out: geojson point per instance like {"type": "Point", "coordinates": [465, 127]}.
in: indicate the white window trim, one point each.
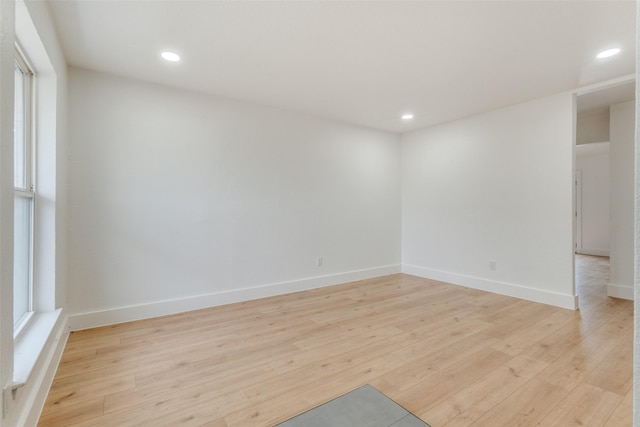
{"type": "Point", "coordinates": [29, 344]}
{"type": "Point", "coordinates": [34, 336]}
{"type": "Point", "coordinates": [30, 149]}
{"type": "Point", "coordinates": [28, 191]}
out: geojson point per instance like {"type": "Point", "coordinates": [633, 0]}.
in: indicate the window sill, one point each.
{"type": "Point", "coordinates": [30, 343]}
{"type": "Point", "coordinates": [22, 325]}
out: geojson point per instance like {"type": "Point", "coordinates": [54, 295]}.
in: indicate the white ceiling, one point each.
{"type": "Point", "coordinates": [603, 98]}
{"type": "Point", "coordinates": [356, 61]}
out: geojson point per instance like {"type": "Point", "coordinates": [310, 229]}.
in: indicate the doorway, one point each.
{"type": "Point", "coordinates": [604, 174]}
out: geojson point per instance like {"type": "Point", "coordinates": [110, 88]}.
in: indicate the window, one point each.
{"type": "Point", "coordinates": [24, 194]}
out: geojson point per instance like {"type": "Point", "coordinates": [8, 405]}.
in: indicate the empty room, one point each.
{"type": "Point", "coordinates": [317, 213]}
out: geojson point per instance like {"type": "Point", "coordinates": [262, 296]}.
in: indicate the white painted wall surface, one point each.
{"type": "Point", "coordinates": [179, 200]}
{"type": "Point", "coordinates": [592, 162]}
{"type": "Point", "coordinates": [622, 200]}
{"type": "Point", "coordinates": [592, 126]}
{"type": "Point", "coordinates": [494, 187]}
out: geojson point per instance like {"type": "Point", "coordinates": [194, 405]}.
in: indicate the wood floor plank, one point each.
{"type": "Point", "coordinates": [72, 414]}
{"type": "Point", "coordinates": [88, 374]}
{"type": "Point", "coordinates": [444, 383]}
{"type": "Point", "coordinates": [530, 335]}
{"type": "Point", "coordinates": [181, 408]}
{"type": "Point", "coordinates": [615, 372]}
{"type": "Point", "coordinates": [554, 345]}
{"type": "Point", "coordinates": [156, 393]}
{"type": "Point", "coordinates": [525, 407]}
{"type": "Point", "coordinates": [585, 406]}
{"type": "Point", "coordinates": [83, 340]}
{"type": "Point", "coordinates": [418, 367]}
{"type": "Point", "coordinates": [575, 365]}
{"type": "Point", "coordinates": [470, 403]}
{"type": "Point", "coordinates": [455, 356]}
{"type": "Point", "coordinates": [82, 391]}
{"type": "Point", "coordinates": [623, 414]}
{"type": "Point", "coordinates": [313, 372]}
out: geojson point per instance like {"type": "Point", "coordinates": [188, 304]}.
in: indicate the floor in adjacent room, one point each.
{"type": "Point", "coordinates": [450, 355]}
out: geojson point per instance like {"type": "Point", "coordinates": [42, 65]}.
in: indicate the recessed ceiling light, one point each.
{"type": "Point", "coordinates": [407, 116]}
{"type": "Point", "coordinates": [609, 52]}
{"type": "Point", "coordinates": [170, 56]}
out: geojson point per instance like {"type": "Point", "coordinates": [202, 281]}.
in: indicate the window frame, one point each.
{"type": "Point", "coordinates": [27, 191]}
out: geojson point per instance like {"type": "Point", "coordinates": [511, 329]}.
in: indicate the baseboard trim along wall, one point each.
{"type": "Point", "coordinates": [618, 291]}
{"type": "Point", "coordinates": [502, 288]}
{"type": "Point", "coordinates": [78, 321]}
{"type": "Point", "coordinates": [594, 252]}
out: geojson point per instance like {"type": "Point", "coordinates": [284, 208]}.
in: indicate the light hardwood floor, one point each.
{"type": "Point", "coordinates": [452, 356]}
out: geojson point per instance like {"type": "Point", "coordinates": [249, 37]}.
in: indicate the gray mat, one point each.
{"type": "Point", "coordinates": [363, 407]}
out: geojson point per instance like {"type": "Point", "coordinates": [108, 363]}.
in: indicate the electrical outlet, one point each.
{"type": "Point", "coordinates": [492, 265]}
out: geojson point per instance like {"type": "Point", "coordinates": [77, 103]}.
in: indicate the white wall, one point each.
{"type": "Point", "coordinates": [622, 200]}
{"type": "Point", "coordinates": [494, 187]}
{"type": "Point", "coordinates": [592, 165]}
{"type": "Point", "coordinates": [592, 126]}
{"type": "Point", "coordinates": [181, 200]}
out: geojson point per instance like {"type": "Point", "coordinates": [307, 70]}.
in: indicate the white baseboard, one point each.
{"type": "Point", "coordinates": [31, 397]}
{"type": "Point", "coordinates": [502, 288]}
{"type": "Point", "coordinates": [618, 291]}
{"type": "Point", "coordinates": [594, 252]}
{"type": "Point", "coordinates": [78, 321]}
